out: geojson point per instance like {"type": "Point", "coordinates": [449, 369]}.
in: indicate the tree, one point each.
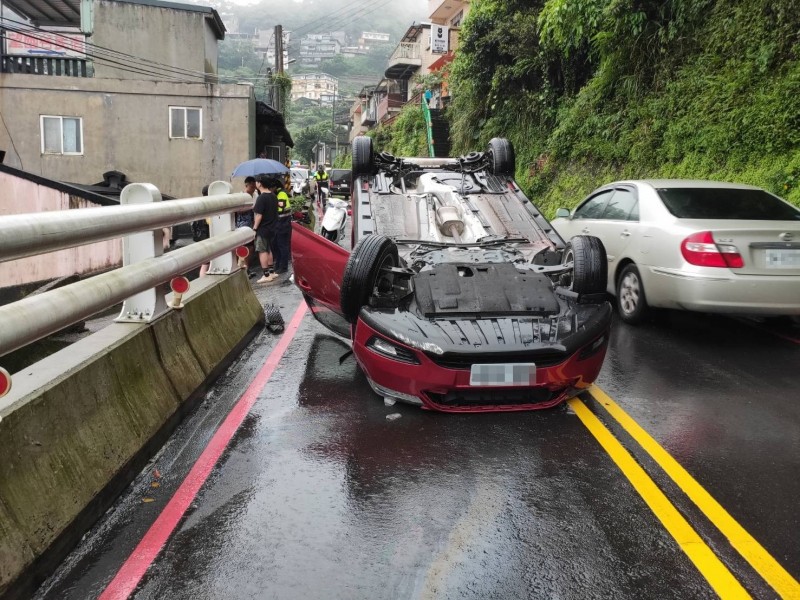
{"type": "Point", "coordinates": [307, 138]}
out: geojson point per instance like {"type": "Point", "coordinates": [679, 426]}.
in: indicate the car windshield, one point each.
{"type": "Point", "coordinates": [726, 203]}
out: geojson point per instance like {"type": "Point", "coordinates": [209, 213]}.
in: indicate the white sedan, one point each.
{"type": "Point", "coordinates": [693, 245]}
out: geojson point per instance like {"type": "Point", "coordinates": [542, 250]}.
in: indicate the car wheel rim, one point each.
{"type": "Point", "coordinates": [629, 293]}
{"type": "Point", "coordinates": [566, 278]}
{"type": "Point", "coordinates": [385, 282]}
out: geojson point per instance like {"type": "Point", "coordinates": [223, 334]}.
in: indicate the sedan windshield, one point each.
{"type": "Point", "coordinates": [726, 203]}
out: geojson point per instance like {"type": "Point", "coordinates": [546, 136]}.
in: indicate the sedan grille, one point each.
{"type": "Point", "coordinates": [465, 398]}
{"type": "Point", "coordinates": [542, 359]}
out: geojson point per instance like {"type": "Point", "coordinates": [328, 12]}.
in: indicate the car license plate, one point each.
{"type": "Point", "coordinates": [503, 374]}
{"type": "Point", "coordinates": [783, 258]}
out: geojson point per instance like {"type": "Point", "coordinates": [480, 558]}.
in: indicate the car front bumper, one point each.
{"type": "Point", "coordinates": [723, 293]}
{"type": "Point", "coordinates": [434, 387]}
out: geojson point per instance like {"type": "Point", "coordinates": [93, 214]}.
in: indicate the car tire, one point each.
{"type": "Point", "coordinates": [631, 300]}
{"type": "Point", "coordinates": [363, 272]}
{"type": "Point", "coordinates": [589, 264]}
{"type": "Point", "coordinates": [501, 156]}
{"type": "Point", "coordinates": [363, 157]}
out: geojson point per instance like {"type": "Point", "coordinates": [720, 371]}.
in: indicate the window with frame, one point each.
{"type": "Point", "coordinates": [593, 207]}
{"type": "Point", "coordinates": [185, 123]}
{"type": "Point", "coordinates": [61, 135]}
{"type": "Point", "coordinates": [621, 206]}
{"type": "Point", "coordinates": [273, 152]}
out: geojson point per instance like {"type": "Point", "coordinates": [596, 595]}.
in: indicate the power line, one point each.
{"type": "Point", "coordinates": [347, 13]}
{"type": "Point", "coordinates": [121, 60]}
{"type": "Point", "coordinates": [353, 7]}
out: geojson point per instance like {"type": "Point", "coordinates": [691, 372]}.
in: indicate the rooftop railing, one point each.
{"type": "Point", "coordinates": [46, 65]}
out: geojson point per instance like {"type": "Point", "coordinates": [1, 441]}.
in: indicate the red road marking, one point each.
{"type": "Point", "coordinates": [134, 568]}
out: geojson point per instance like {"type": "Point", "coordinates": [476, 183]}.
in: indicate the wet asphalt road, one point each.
{"type": "Point", "coordinates": [319, 495]}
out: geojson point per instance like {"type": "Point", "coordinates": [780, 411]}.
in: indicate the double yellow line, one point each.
{"type": "Point", "coordinates": [710, 566]}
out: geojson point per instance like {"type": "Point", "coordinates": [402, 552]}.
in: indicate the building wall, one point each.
{"type": "Point", "coordinates": [163, 35]}
{"type": "Point", "coordinates": [126, 128]}
{"type": "Point", "coordinates": [314, 86]}
{"type": "Point", "coordinates": [19, 196]}
{"type": "Point", "coordinates": [448, 12]}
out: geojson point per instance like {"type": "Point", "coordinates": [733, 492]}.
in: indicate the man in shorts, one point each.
{"type": "Point", "coordinates": [265, 212]}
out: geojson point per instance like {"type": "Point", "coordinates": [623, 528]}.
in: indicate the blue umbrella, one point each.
{"type": "Point", "coordinates": [257, 166]}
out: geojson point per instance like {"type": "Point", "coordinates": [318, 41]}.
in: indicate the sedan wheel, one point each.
{"type": "Point", "coordinates": [631, 301]}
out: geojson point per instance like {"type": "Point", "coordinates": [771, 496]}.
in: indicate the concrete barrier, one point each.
{"type": "Point", "coordinates": [80, 424]}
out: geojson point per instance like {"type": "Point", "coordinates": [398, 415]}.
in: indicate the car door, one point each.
{"type": "Point", "coordinates": [584, 217]}
{"type": "Point", "coordinates": [318, 266]}
{"type": "Point", "coordinates": [618, 225]}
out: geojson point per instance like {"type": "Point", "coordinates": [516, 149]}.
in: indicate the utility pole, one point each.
{"type": "Point", "coordinates": [333, 123]}
{"type": "Point", "coordinates": [279, 65]}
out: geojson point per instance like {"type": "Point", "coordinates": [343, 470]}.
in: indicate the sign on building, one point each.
{"type": "Point", "coordinates": [439, 39]}
{"type": "Point", "coordinates": [45, 43]}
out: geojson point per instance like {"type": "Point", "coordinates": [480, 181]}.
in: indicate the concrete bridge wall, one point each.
{"type": "Point", "coordinates": [79, 425]}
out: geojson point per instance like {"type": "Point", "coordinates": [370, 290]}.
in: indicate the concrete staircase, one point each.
{"type": "Point", "coordinates": [440, 129]}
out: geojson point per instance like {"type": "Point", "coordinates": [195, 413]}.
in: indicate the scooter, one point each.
{"type": "Point", "coordinates": [324, 194]}
{"type": "Point", "coordinates": [334, 220]}
{"type": "Point", "coordinates": [301, 186]}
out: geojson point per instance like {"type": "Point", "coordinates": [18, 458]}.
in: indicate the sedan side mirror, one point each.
{"type": "Point", "coordinates": [562, 212]}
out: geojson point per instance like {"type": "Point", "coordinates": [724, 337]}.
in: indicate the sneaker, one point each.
{"type": "Point", "coordinates": [264, 279]}
{"type": "Point", "coordinates": [272, 276]}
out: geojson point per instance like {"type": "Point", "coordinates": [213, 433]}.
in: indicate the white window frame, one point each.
{"type": "Point", "coordinates": [61, 134]}
{"type": "Point", "coordinates": [185, 110]}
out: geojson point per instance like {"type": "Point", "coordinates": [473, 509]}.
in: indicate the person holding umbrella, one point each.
{"type": "Point", "coordinates": [259, 166]}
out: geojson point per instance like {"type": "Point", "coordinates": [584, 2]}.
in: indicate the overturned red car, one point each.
{"type": "Point", "coordinates": [458, 295]}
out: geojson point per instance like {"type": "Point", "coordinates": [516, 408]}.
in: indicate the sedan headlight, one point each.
{"type": "Point", "coordinates": [390, 350]}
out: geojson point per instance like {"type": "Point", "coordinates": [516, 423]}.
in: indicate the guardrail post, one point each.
{"type": "Point", "coordinates": [225, 264]}
{"type": "Point", "coordinates": [136, 247]}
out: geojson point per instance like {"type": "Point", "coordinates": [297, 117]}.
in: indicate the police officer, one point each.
{"type": "Point", "coordinates": [322, 182]}
{"type": "Point", "coordinates": [282, 240]}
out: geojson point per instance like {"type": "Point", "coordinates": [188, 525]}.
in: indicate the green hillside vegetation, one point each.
{"type": "Point", "coordinates": [590, 91]}
{"type": "Point", "coordinates": [407, 134]}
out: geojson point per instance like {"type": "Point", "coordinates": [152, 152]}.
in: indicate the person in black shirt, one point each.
{"type": "Point", "coordinates": [265, 212]}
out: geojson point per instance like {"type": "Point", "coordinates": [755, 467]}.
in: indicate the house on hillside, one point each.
{"type": "Point", "coordinates": [370, 39]}
{"type": "Point", "coordinates": [446, 18]}
{"type": "Point", "coordinates": [360, 120]}
{"type": "Point", "coordinates": [91, 86]}
{"type": "Point", "coordinates": [450, 13]}
{"type": "Point", "coordinates": [320, 87]}
{"type": "Point", "coordinates": [424, 48]}
{"type": "Point", "coordinates": [316, 47]}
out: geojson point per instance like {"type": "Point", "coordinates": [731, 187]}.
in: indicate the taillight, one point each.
{"type": "Point", "coordinates": [700, 249]}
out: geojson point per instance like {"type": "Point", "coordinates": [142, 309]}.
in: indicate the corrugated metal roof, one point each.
{"type": "Point", "coordinates": [68, 12]}
{"type": "Point", "coordinates": [48, 12]}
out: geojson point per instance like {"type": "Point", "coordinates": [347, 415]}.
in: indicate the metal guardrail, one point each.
{"type": "Point", "coordinates": [139, 282]}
